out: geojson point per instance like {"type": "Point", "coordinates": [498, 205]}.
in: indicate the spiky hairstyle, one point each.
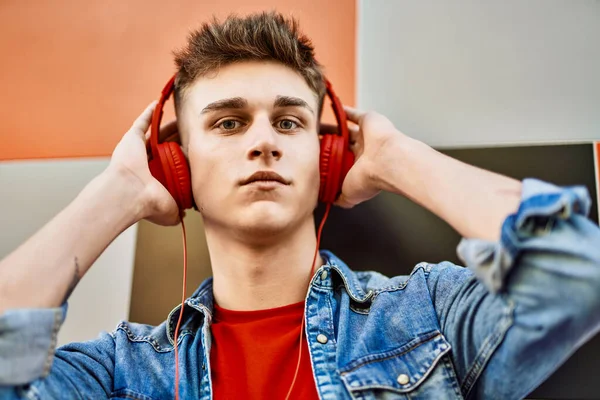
{"type": "Point", "coordinates": [267, 36]}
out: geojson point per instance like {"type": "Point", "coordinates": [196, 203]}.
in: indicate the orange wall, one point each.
{"type": "Point", "coordinates": [74, 74]}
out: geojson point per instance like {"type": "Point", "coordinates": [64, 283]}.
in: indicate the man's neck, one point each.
{"type": "Point", "coordinates": [251, 277]}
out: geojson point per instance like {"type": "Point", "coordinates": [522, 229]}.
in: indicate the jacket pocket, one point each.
{"type": "Point", "coordinates": [402, 370]}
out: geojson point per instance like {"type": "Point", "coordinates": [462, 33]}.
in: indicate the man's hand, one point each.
{"type": "Point", "coordinates": [370, 141]}
{"type": "Point", "coordinates": [129, 161]}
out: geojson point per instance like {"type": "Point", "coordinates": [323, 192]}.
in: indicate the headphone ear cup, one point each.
{"type": "Point", "coordinates": [172, 170]}
{"type": "Point", "coordinates": [324, 160]}
{"type": "Point", "coordinates": [335, 162]}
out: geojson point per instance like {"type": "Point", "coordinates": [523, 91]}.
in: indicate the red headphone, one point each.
{"type": "Point", "coordinates": [170, 167]}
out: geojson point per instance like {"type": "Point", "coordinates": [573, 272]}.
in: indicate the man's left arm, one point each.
{"type": "Point", "coordinates": [472, 200]}
{"type": "Point", "coordinates": [534, 252]}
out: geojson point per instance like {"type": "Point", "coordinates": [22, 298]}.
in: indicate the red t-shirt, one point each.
{"type": "Point", "coordinates": [254, 354]}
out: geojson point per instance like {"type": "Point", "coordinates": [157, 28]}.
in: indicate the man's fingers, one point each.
{"type": "Point", "coordinates": [353, 114]}
{"type": "Point", "coordinates": [141, 124]}
{"type": "Point", "coordinates": [354, 136]}
{"type": "Point", "coordinates": [343, 202]}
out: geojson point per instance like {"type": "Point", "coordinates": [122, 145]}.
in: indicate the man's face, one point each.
{"type": "Point", "coordinates": [246, 118]}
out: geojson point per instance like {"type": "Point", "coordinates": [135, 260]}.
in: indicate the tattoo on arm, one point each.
{"type": "Point", "coordinates": [74, 281]}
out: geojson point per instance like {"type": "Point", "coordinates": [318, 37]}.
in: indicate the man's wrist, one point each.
{"type": "Point", "coordinates": [120, 193]}
{"type": "Point", "coordinates": [399, 169]}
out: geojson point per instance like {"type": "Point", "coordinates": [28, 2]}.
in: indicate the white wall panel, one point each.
{"type": "Point", "coordinates": [481, 72]}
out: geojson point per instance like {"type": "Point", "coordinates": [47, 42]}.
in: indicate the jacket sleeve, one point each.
{"type": "Point", "coordinates": [32, 368]}
{"type": "Point", "coordinates": [529, 300]}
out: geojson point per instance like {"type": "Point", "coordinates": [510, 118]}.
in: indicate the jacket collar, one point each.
{"type": "Point", "coordinates": [349, 277]}
{"type": "Point", "coordinates": [202, 299]}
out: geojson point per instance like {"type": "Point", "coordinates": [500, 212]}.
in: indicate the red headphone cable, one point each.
{"type": "Point", "coordinates": [312, 271]}
{"type": "Point", "coordinates": [182, 305]}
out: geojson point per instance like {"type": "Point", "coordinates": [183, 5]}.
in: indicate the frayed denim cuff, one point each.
{"type": "Point", "coordinates": [542, 204]}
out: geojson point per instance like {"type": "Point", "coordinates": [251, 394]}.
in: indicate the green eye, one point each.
{"type": "Point", "coordinates": [229, 124]}
{"type": "Point", "coordinates": [287, 124]}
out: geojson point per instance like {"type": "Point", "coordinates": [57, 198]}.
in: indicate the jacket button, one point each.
{"type": "Point", "coordinates": [403, 379]}
{"type": "Point", "coordinates": [323, 275]}
{"type": "Point", "coordinates": [322, 338]}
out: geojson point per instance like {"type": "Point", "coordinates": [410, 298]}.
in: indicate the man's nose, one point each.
{"type": "Point", "coordinates": [264, 140]}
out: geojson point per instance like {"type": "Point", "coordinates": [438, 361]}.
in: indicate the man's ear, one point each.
{"type": "Point", "coordinates": [178, 138]}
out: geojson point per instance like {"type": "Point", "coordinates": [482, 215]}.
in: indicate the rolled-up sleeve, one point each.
{"type": "Point", "coordinates": [533, 298]}
{"type": "Point", "coordinates": [542, 206]}
{"type": "Point", "coordinates": [31, 367]}
{"type": "Point", "coordinates": [28, 343]}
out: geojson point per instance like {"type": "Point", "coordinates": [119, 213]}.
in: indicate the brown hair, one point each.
{"type": "Point", "coordinates": [267, 36]}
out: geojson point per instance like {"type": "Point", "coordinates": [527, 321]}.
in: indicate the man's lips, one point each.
{"type": "Point", "coordinates": [266, 177]}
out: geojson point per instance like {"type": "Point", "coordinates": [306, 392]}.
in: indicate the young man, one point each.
{"type": "Point", "coordinates": [249, 94]}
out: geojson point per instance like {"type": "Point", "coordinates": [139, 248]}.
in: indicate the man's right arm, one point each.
{"type": "Point", "coordinates": [37, 278]}
{"type": "Point", "coordinates": [43, 271]}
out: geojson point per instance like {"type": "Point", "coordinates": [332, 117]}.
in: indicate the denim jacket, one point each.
{"type": "Point", "coordinates": [493, 330]}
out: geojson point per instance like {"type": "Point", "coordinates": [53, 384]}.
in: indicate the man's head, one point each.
{"type": "Point", "coordinates": [248, 99]}
{"type": "Point", "coordinates": [257, 37]}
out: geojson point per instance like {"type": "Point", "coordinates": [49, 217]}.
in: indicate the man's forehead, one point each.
{"type": "Point", "coordinates": [268, 84]}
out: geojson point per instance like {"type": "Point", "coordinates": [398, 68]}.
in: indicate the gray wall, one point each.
{"type": "Point", "coordinates": [481, 72]}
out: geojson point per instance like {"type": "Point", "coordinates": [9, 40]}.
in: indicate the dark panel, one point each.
{"type": "Point", "coordinates": [391, 234]}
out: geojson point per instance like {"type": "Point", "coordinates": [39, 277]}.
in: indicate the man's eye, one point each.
{"type": "Point", "coordinates": [287, 124]}
{"type": "Point", "coordinates": [230, 124]}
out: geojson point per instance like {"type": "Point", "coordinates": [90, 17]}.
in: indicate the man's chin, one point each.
{"type": "Point", "coordinates": [265, 219]}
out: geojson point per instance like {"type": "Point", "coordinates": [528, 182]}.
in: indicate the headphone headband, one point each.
{"type": "Point", "coordinates": [157, 115]}
{"type": "Point", "coordinates": [338, 111]}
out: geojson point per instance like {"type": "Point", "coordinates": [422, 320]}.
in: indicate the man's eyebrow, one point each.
{"type": "Point", "coordinates": [232, 103]}
{"type": "Point", "coordinates": [287, 101]}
